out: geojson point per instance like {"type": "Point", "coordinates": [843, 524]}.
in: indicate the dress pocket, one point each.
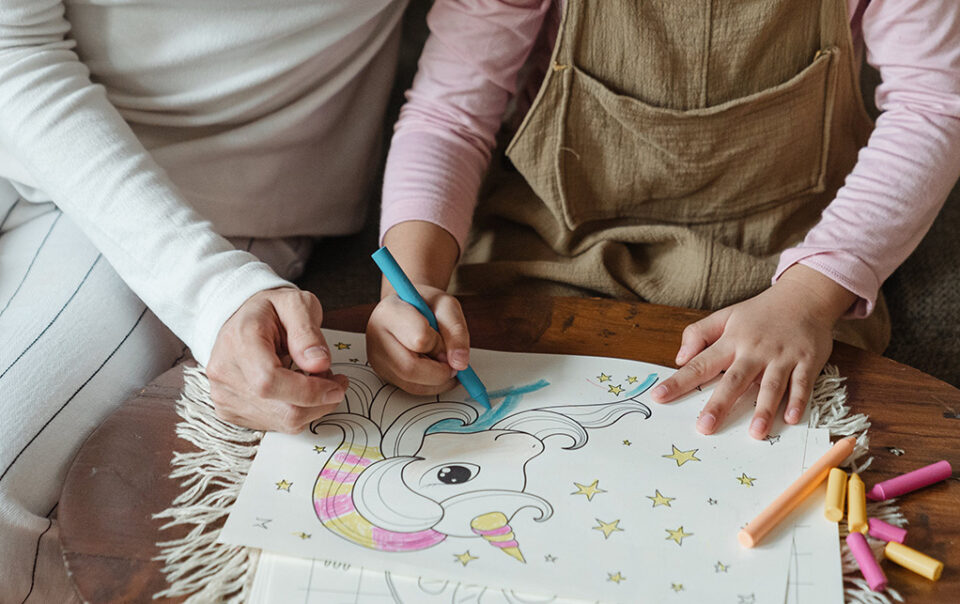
{"type": "Point", "coordinates": [616, 157]}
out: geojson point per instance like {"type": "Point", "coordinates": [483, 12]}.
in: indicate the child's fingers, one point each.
{"type": "Point", "coordinates": [772, 386]}
{"type": "Point", "coordinates": [410, 328]}
{"type": "Point", "coordinates": [734, 383]}
{"type": "Point", "coordinates": [700, 335]}
{"type": "Point", "coordinates": [801, 387]}
{"type": "Point", "coordinates": [701, 369]}
{"type": "Point", "coordinates": [453, 330]}
{"type": "Point", "coordinates": [413, 372]}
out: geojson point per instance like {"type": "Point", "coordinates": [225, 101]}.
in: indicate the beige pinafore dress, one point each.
{"type": "Point", "coordinates": [674, 150]}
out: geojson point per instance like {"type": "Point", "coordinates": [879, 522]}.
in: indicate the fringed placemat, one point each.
{"type": "Point", "coordinates": [207, 571]}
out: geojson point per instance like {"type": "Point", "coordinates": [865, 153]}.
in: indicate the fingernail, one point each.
{"type": "Point", "coordinates": [706, 422]}
{"type": "Point", "coordinates": [316, 352]}
{"type": "Point", "coordinates": [793, 416]}
{"type": "Point", "coordinates": [659, 392]}
{"type": "Point", "coordinates": [459, 358]}
{"type": "Point", "coordinates": [333, 396]}
{"type": "Point", "coordinates": [682, 355]}
{"type": "Point", "coordinates": [758, 426]}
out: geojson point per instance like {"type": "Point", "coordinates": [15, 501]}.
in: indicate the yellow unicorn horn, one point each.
{"type": "Point", "coordinates": [494, 528]}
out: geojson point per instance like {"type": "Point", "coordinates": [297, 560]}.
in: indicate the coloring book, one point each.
{"type": "Point", "coordinates": [574, 484]}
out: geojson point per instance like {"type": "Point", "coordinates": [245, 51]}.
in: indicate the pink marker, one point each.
{"type": "Point", "coordinates": [886, 532]}
{"type": "Point", "coordinates": [911, 481]}
{"type": "Point", "coordinates": [868, 564]}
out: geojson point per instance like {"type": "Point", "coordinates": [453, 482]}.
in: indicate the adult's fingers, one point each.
{"type": "Point", "coordinates": [772, 386]}
{"type": "Point", "coordinates": [734, 383]}
{"type": "Point", "coordinates": [301, 316]}
{"type": "Point", "coordinates": [801, 387]}
{"type": "Point", "coordinates": [697, 336]}
{"type": "Point", "coordinates": [453, 330]}
{"type": "Point", "coordinates": [699, 370]}
{"type": "Point", "coordinates": [273, 415]}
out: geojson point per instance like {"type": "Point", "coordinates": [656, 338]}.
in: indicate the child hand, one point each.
{"type": "Point", "coordinates": [249, 383]}
{"type": "Point", "coordinates": [404, 349]}
{"type": "Point", "coordinates": [780, 339]}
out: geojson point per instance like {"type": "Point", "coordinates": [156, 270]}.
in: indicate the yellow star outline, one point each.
{"type": "Point", "coordinates": [682, 457]}
{"type": "Point", "coordinates": [588, 490]}
{"type": "Point", "coordinates": [603, 377]}
{"type": "Point", "coordinates": [465, 558]}
{"type": "Point", "coordinates": [615, 389]}
{"type": "Point", "coordinates": [607, 527]}
{"type": "Point", "coordinates": [677, 535]}
{"type": "Point", "coordinates": [616, 577]}
{"type": "Point", "coordinates": [302, 535]}
{"type": "Point", "coordinates": [677, 587]}
{"type": "Point", "coordinates": [659, 499]}
{"type": "Point", "coordinates": [631, 379]}
{"type": "Point", "coordinates": [745, 480]}
{"type": "Point", "coordinates": [283, 485]}
{"type": "Point", "coordinates": [342, 346]}
{"type": "Point", "coordinates": [319, 449]}
{"type": "Point", "coordinates": [720, 567]}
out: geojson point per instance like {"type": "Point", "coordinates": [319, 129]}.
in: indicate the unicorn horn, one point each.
{"type": "Point", "coordinates": [494, 528]}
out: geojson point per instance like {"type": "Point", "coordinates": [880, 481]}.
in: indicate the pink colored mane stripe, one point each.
{"type": "Point", "coordinates": [334, 506]}
{"type": "Point", "coordinates": [392, 541]}
{"type": "Point", "coordinates": [340, 476]}
{"type": "Point", "coordinates": [498, 531]}
{"type": "Point", "coordinates": [352, 459]}
{"type": "Point", "coordinates": [504, 543]}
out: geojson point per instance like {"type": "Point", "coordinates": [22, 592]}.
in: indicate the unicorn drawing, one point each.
{"type": "Point", "coordinates": [410, 473]}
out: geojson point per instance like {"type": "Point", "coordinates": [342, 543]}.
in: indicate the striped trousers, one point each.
{"type": "Point", "coordinates": [75, 343]}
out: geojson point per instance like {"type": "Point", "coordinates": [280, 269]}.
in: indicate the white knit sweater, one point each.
{"type": "Point", "coordinates": [158, 124]}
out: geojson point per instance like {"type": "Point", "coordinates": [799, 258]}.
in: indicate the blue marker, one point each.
{"type": "Point", "coordinates": [409, 294]}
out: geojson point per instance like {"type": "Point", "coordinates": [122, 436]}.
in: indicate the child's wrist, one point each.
{"type": "Point", "coordinates": [824, 298]}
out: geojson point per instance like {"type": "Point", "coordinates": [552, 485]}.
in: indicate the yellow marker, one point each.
{"type": "Point", "coordinates": [857, 505]}
{"type": "Point", "coordinates": [836, 493]}
{"type": "Point", "coordinates": [911, 559]}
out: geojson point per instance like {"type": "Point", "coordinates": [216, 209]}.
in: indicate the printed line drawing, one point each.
{"type": "Point", "coordinates": [449, 470]}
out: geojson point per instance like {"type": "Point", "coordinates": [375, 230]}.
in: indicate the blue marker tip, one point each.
{"type": "Point", "coordinates": [409, 294]}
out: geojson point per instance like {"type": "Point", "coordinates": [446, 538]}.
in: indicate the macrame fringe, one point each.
{"type": "Point", "coordinates": [217, 572]}
{"type": "Point", "coordinates": [197, 564]}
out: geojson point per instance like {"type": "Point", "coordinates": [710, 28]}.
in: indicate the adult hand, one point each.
{"type": "Point", "coordinates": [402, 347]}
{"type": "Point", "coordinates": [250, 384]}
{"type": "Point", "coordinates": [780, 339]}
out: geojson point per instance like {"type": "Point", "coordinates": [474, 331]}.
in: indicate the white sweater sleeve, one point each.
{"type": "Point", "coordinates": [78, 150]}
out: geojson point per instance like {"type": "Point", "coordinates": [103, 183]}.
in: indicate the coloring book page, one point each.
{"type": "Point", "coordinates": [814, 578]}
{"type": "Point", "coordinates": [574, 484]}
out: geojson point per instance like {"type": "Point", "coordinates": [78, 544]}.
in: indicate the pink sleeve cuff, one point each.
{"type": "Point", "coordinates": [846, 269]}
{"type": "Point", "coordinates": [434, 178]}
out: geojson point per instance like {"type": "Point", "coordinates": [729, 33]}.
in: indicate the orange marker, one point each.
{"type": "Point", "coordinates": [857, 505]}
{"type": "Point", "coordinates": [751, 534]}
{"type": "Point", "coordinates": [836, 493]}
{"type": "Point", "coordinates": [911, 559]}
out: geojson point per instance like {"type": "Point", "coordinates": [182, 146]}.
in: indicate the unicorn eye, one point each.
{"type": "Point", "coordinates": [457, 474]}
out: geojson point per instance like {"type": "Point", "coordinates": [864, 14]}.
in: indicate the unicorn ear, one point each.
{"type": "Point", "coordinates": [381, 496]}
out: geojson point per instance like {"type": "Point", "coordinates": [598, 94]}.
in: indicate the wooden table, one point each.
{"type": "Point", "coordinates": [119, 478]}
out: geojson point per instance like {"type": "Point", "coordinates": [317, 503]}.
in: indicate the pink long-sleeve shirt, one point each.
{"type": "Point", "coordinates": [442, 143]}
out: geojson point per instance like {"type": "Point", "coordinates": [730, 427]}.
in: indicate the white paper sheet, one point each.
{"type": "Point", "coordinates": [602, 501]}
